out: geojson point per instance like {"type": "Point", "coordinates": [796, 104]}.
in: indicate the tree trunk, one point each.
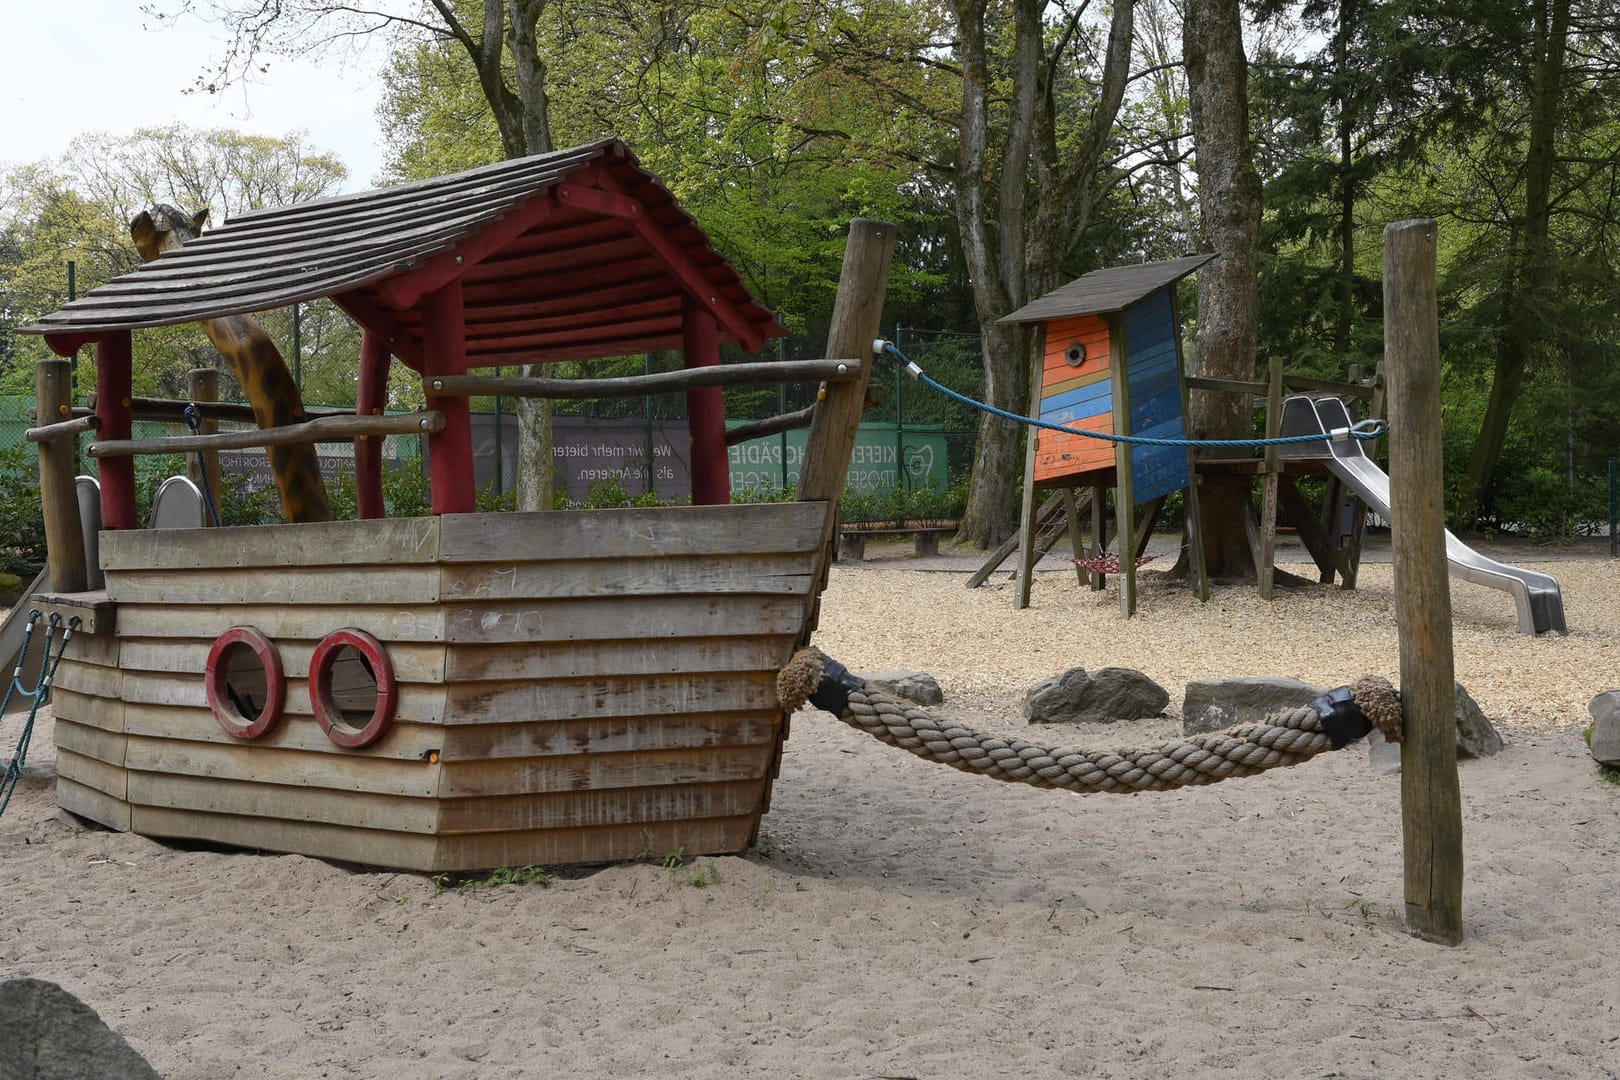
{"type": "Point", "coordinates": [1012, 251]}
{"type": "Point", "coordinates": [1229, 212]}
{"type": "Point", "coordinates": [1527, 275]}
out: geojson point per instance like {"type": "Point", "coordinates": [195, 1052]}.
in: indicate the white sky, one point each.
{"type": "Point", "coordinates": [93, 65]}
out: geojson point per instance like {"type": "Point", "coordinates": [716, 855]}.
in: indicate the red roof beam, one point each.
{"type": "Point", "coordinates": [607, 333]}
{"type": "Point", "coordinates": [441, 269]}
{"type": "Point", "coordinates": [587, 351]}
{"type": "Point", "coordinates": [692, 276]}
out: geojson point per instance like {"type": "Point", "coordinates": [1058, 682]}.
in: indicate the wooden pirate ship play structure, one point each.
{"type": "Point", "coordinates": [463, 690]}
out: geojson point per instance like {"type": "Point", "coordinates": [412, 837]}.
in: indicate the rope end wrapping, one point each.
{"type": "Point", "coordinates": [1349, 712]}
{"type": "Point", "coordinates": [814, 677]}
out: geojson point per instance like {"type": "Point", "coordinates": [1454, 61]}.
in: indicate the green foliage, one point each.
{"type": "Point", "coordinates": [610, 494]}
{"type": "Point", "coordinates": [503, 875]}
{"type": "Point", "coordinates": [896, 507]}
{"type": "Point", "coordinates": [22, 525]}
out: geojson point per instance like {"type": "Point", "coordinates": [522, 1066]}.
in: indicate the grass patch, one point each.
{"type": "Point", "coordinates": [501, 875]}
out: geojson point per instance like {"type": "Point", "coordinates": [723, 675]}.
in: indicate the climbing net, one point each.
{"type": "Point", "coordinates": [1285, 738]}
{"type": "Point", "coordinates": [13, 766]}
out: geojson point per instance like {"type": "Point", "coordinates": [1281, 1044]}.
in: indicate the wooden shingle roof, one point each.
{"type": "Point", "coordinates": [573, 254]}
{"type": "Point", "coordinates": [1103, 291]}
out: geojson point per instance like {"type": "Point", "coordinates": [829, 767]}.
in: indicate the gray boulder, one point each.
{"type": "Point", "coordinates": [917, 686]}
{"type": "Point", "coordinates": [1605, 710]}
{"type": "Point", "coordinates": [1477, 737]}
{"type": "Point", "coordinates": [1110, 694]}
{"type": "Point", "coordinates": [1213, 704]}
{"type": "Point", "coordinates": [52, 1035]}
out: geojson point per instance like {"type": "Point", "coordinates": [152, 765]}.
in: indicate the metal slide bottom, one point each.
{"type": "Point", "coordinates": [1537, 596]}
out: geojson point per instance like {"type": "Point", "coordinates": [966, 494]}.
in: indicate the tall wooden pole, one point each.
{"type": "Point", "coordinates": [450, 461]}
{"type": "Point", "coordinates": [58, 495]}
{"type": "Point", "coordinates": [372, 395]}
{"type": "Point", "coordinates": [1431, 801]}
{"type": "Point", "coordinates": [202, 384]}
{"type": "Point", "coordinates": [114, 395]}
{"type": "Point", "coordinates": [705, 409]}
{"type": "Point", "coordinates": [857, 310]}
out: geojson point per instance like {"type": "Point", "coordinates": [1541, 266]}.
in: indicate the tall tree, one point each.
{"type": "Point", "coordinates": [1229, 211]}
{"type": "Point", "coordinates": [78, 206]}
{"type": "Point", "coordinates": [499, 39]}
{"type": "Point", "coordinates": [1528, 274]}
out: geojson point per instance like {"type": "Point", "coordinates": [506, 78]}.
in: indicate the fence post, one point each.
{"type": "Point", "coordinates": [1431, 802]}
{"type": "Point", "coordinates": [58, 494]}
{"type": "Point", "coordinates": [202, 384]}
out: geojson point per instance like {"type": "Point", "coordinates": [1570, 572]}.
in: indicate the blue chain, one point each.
{"type": "Point", "coordinates": [1365, 429]}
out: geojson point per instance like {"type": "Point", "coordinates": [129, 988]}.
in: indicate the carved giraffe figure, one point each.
{"type": "Point", "coordinates": [258, 367]}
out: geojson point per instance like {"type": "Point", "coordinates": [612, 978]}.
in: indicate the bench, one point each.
{"type": "Point", "coordinates": [924, 535]}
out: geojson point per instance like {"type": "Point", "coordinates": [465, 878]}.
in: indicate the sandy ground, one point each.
{"type": "Point", "coordinates": [904, 920]}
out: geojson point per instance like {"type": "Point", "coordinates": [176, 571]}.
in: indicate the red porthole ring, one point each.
{"type": "Point", "coordinates": [245, 682]}
{"type": "Point", "coordinates": [352, 688]}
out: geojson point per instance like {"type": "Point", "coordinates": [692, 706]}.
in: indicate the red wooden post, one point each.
{"type": "Point", "coordinates": [374, 360]}
{"type": "Point", "coordinates": [444, 348]}
{"type": "Point", "coordinates": [114, 388]}
{"type": "Point", "coordinates": [705, 410]}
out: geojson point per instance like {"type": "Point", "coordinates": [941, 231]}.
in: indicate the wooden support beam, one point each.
{"type": "Point", "coordinates": [63, 429]}
{"type": "Point", "coordinates": [659, 382]}
{"type": "Point", "coordinates": [1124, 472]}
{"type": "Point", "coordinates": [1027, 557]}
{"type": "Point", "coordinates": [1303, 518]}
{"type": "Point", "coordinates": [705, 409]}
{"type": "Point", "coordinates": [372, 395]}
{"type": "Point", "coordinates": [58, 494]}
{"type": "Point", "coordinates": [114, 378]}
{"type": "Point", "coordinates": [444, 352]}
{"type": "Point", "coordinates": [857, 312]}
{"type": "Point", "coordinates": [324, 429]}
{"type": "Point", "coordinates": [1431, 800]}
{"type": "Point", "coordinates": [1266, 560]}
{"type": "Point", "coordinates": [773, 425]}
{"type": "Point", "coordinates": [203, 386]}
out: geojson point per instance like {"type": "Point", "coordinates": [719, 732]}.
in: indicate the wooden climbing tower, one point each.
{"type": "Point", "coordinates": [1109, 360]}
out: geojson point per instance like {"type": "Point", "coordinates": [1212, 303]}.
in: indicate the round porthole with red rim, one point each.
{"type": "Point", "coordinates": [245, 683]}
{"type": "Point", "coordinates": [352, 688]}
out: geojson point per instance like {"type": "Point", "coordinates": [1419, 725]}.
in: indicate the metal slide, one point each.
{"type": "Point", "coordinates": [1539, 600]}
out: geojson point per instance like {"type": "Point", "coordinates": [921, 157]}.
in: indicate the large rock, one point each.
{"type": "Point", "coordinates": [918, 686]}
{"type": "Point", "coordinates": [48, 1034]}
{"type": "Point", "coordinates": [1605, 710]}
{"type": "Point", "coordinates": [1213, 704]}
{"type": "Point", "coordinates": [1111, 694]}
{"type": "Point", "coordinates": [1476, 737]}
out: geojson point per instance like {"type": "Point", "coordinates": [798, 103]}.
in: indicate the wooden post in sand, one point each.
{"type": "Point", "coordinates": [58, 496]}
{"type": "Point", "coordinates": [202, 384]}
{"type": "Point", "coordinates": [1431, 802]}
{"type": "Point", "coordinates": [857, 312]}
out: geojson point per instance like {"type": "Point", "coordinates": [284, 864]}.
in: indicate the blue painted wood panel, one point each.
{"type": "Point", "coordinates": [1155, 389]}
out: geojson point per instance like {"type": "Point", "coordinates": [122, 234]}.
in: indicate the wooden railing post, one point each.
{"type": "Point", "coordinates": [1431, 802]}
{"type": "Point", "coordinates": [58, 495]}
{"type": "Point", "coordinates": [202, 384]}
{"type": "Point", "coordinates": [857, 312]}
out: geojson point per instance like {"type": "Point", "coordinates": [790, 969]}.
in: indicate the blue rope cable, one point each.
{"type": "Point", "coordinates": [1365, 429]}
{"type": "Point", "coordinates": [11, 772]}
{"type": "Point", "coordinates": [194, 422]}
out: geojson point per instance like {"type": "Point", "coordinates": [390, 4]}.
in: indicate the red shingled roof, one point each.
{"type": "Point", "coordinates": [574, 254]}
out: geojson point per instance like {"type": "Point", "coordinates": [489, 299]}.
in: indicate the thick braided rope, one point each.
{"type": "Point", "coordinates": [1286, 738]}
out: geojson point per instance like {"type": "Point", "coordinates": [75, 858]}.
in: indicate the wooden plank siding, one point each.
{"type": "Point", "coordinates": [1078, 396]}
{"type": "Point", "coordinates": [571, 686]}
{"type": "Point", "coordinates": [1155, 396]}
{"type": "Point", "coordinates": [87, 703]}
